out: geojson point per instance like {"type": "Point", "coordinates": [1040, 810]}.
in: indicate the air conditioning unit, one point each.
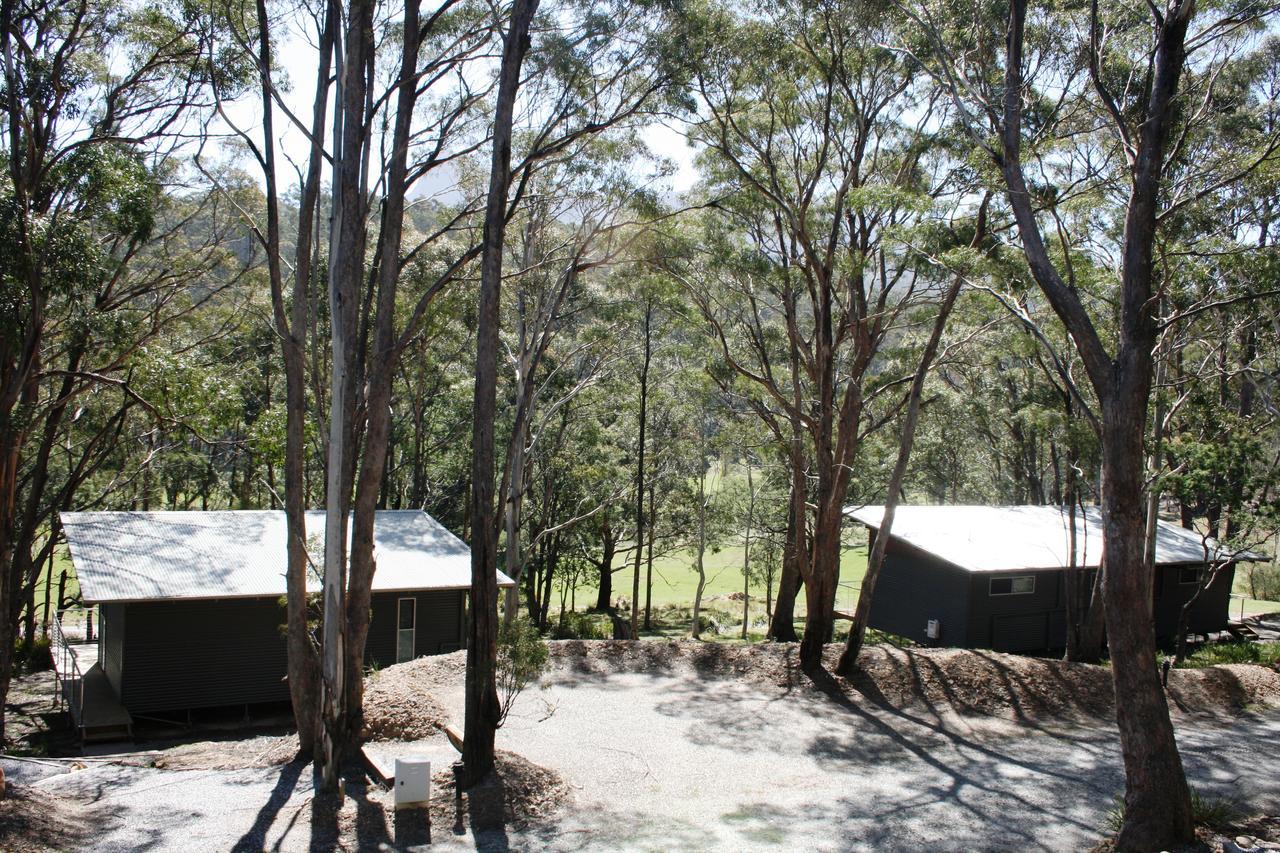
{"type": "Point", "coordinates": [933, 629]}
{"type": "Point", "coordinates": [413, 782]}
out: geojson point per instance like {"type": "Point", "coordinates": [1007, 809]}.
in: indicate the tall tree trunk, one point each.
{"type": "Point", "coordinates": [604, 592]}
{"type": "Point", "coordinates": [385, 357]}
{"type": "Point", "coordinates": [907, 436]}
{"type": "Point", "coordinates": [644, 401]}
{"type": "Point", "coordinates": [648, 571]}
{"type": "Point", "coordinates": [482, 706]}
{"type": "Point", "coordinates": [291, 327]}
{"type": "Point", "coordinates": [1157, 799]}
{"type": "Point", "coordinates": [347, 240]}
{"type": "Point", "coordinates": [746, 551]}
{"type": "Point", "coordinates": [782, 627]}
{"type": "Point", "coordinates": [699, 564]}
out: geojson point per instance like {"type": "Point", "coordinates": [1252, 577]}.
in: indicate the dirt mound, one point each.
{"type": "Point", "coordinates": [31, 820]}
{"type": "Point", "coordinates": [964, 681]}
{"type": "Point", "coordinates": [399, 703]}
{"type": "Point", "coordinates": [517, 794]}
{"type": "Point", "coordinates": [229, 753]}
{"type": "Point", "coordinates": [400, 706]}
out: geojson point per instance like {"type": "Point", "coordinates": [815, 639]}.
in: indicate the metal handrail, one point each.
{"type": "Point", "coordinates": [69, 677]}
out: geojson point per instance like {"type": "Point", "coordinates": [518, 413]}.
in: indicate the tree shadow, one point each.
{"type": "Point", "coordinates": [254, 838]}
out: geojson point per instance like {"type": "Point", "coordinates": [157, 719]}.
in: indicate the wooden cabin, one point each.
{"type": "Point", "coordinates": [994, 577]}
{"type": "Point", "coordinates": [191, 604]}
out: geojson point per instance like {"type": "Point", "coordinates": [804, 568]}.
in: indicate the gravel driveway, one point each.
{"type": "Point", "coordinates": [675, 761]}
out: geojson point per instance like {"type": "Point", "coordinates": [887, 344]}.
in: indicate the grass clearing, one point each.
{"type": "Point", "coordinates": [675, 581]}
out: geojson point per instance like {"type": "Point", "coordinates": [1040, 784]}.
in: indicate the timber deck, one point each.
{"type": "Point", "coordinates": [89, 696]}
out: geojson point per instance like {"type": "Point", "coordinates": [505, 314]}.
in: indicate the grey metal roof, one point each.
{"type": "Point", "coordinates": [143, 556]}
{"type": "Point", "coordinates": [1008, 538]}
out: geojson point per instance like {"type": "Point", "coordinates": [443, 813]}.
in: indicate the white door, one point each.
{"type": "Point", "coordinates": [406, 626]}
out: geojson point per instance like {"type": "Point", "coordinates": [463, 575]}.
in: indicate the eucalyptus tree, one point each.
{"type": "Point", "coordinates": [96, 98]}
{"type": "Point", "coordinates": [592, 68]}
{"type": "Point", "coordinates": [405, 105]}
{"type": "Point", "coordinates": [814, 136]}
{"type": "Point", "coordinates": [578, 218]}
{"type": "Point", "coordinates": [1099, 103]}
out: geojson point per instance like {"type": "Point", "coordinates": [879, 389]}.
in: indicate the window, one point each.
{"type": "Point", "coordinates": [1189, 575]}
{"type": "Point", "coordinates": [405, 628]}
{"type": "Point", "coordinates": [1020, 585]}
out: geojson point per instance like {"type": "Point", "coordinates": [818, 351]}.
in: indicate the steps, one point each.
{"type": "Point", "coordinates": [1242, 632]}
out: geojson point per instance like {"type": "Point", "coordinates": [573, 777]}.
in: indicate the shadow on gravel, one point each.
{"type": "Point", "coordinates": [995, 778]}
{"type": "Point", "coordinates": [968, 774]}
{"type": "Point", "coordinates": [254, 839]}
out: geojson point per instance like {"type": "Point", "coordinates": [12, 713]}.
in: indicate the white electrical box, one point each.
{"type": "Point", "coordinates": [933, 629]}
{"type": "Point", "coordinates": [413, 782]}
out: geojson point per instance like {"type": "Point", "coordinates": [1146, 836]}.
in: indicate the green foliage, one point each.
{"type": "Point", "coordinates": [582, 626]}
{"type": "Point", "coordinates": [1211, 812]}
{"type": "Point", "coordinates": [522, 659]}
{"type": "Point", "coordinates": [1212, 654]}
{"type": "Point", "coordinates": [1260, 580]}
{"type": "Point", "coordinates": [34, 656]}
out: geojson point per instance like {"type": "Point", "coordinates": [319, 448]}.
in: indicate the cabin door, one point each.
{"type": "Point", "coordinates": [406, 628]}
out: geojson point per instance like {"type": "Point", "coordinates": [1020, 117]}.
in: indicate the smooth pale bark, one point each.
{"type": "Point", "coordinates": [483, 710]}
{"type": "Point", "coordinates": [347, 238]}
{"type": "Point", "coordinates": [1157, 812]}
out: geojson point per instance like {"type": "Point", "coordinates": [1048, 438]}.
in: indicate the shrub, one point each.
{"type": "Point", "coordinates": [522, 659]}
{"type": "Point", "coordinates": [583, 626]}
{"type": "Point", "coordinates": [1260, 580]}
{"type": "Point", "coordinates": [35, 656]}
{"type": "Point", "coordinates": [1213, 812]}
{"type": "Point", "coordinates": [1212, 654]}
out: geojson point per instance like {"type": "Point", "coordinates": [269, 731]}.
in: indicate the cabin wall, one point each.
{"type": "Point", "coordinates": [915, 587]}
{"type": "Point", "coordinates": [198, 654]}
{"type": "Point", "coordinates": [111, 628]}
{"type": "Point", "coordinates": [1026, 622]}
{"type": "Point", "coordinates": [439, 624]}
{"type": "Point", "coordinates": [1210, 612]}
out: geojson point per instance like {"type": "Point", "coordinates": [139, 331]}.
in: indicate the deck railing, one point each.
{"type": "Point", "coordinates": [67, 670]}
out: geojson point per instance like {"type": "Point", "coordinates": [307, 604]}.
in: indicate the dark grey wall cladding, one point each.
{"type": "Point", "coordinates": [1026, 622]}
{"type": "Point", "coordinates": [913, 588]}
{"type": "Point", "coordinates": [111, 628]}
{"type": "Point", "coordinates": [196, 654]}
{"type": "Point", "coordinates": [439, 624]}
{"type": "Point", "coordinates": [1210, 612]}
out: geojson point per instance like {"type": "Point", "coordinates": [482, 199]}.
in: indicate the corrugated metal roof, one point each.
{"type": "Point", "coordinates": [141, 556]}
{"type": "Point", "coordinates": [1008, 538]}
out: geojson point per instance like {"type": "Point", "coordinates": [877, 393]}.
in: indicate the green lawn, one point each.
{"type": "Point", "coordinates": [61, 560]}
{"type": "Point", "coordinates": [675, 581]}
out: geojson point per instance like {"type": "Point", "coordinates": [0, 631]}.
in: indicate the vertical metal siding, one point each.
{"type": "Point", "coordinates": [1210, 613]}
{"type": "Point", "coordinates": [438, 627]}
{"type": "Point", "coordinates": [1018, 623]}
{"type": "Point", "coordinates": [913, 588]}
{"type": "Point", "coordinates": [111, 628]}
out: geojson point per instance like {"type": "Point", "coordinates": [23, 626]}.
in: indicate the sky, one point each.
{"type": "Point", "coordinates": [295, 63]}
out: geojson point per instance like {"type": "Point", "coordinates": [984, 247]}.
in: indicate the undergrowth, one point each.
{"type": "Point", "coordinates": [1212, 654]}
{"type": "Point", "coordinates": [1213, 812]}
